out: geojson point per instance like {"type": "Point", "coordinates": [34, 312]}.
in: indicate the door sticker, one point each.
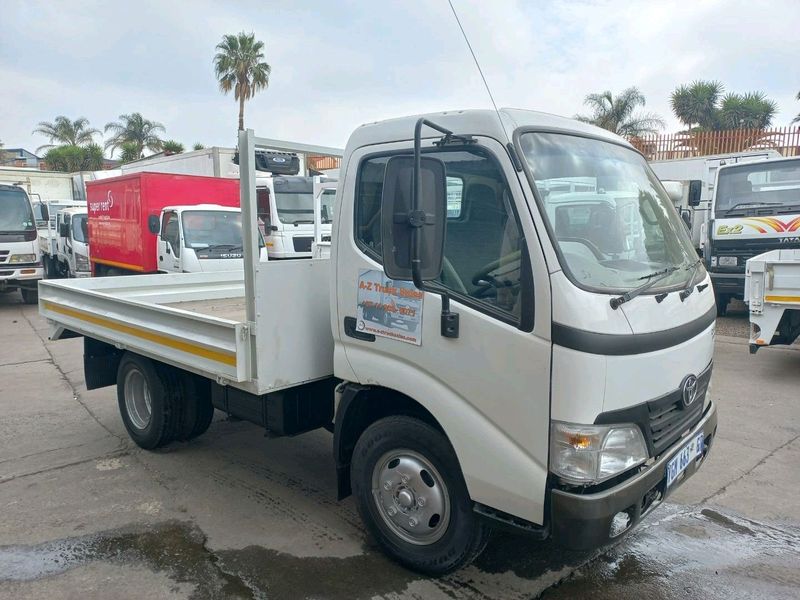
{"type": "Point", "coordinates": [389, 308]}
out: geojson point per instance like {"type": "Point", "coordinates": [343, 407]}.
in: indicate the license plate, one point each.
{"type": "Point", "coordinates": [684, 458]}
{"type": "Point", "coordinates": [728, 261]}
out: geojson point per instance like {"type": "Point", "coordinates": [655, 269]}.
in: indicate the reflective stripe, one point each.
{"type": "Point", "coordinates": [222, 356]}
{"type": "Point", "coordinates": [122, 265]}
{"type": "Point", "coordinates": [782, 298]}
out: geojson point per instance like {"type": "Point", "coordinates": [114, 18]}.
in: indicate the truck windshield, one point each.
{"type": "Point", "coordinates": [612, 222]}
{"type": "Point", "coordinates": [772, 184]}
{"type": "Point", "coordinates": [294, 198]}
{"type": "Point", "coordinates": [212, 229]}
{"type": "Point", "coordinates": [16, 214]}
{"type": "Point", "coordinates": [79, 228]}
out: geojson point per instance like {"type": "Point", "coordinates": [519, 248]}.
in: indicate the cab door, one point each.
{"type": "Point", "coordinates": [489, 388]}
{"type": "Point", "coordinates": [169, 243]}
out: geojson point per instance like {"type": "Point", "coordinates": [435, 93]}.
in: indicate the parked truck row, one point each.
{"type": "Point", "coordinates": [550, 371]}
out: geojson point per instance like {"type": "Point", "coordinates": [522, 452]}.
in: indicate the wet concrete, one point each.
{"type": "Point", "coordinates": [85, 514]}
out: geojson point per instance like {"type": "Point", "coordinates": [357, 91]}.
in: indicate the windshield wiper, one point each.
{"type": "Point", "coordinates": [303, 222]}
{"type": "Point", "coordinates": [687, 291]}
{"type": "Point", "coordinates": [652, 279]}
{"type": "Point", "coordinates": [754, 204]}
{"type": "Point", "coordinates": [223, 246]}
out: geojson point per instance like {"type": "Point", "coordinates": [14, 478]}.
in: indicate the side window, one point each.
{"type": "Point", "coordinates": [170, 232]}
{"type": "Point", "coordinates": [484, 243]}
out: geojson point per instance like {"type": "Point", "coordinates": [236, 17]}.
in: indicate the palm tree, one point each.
{"type": "Point", "coordinates": [198, 146]}
{"type": "Point", "coordinates": [696, 103]}
{"type": "Point", "coordinates": [797, 118]}
{"type": "Point", "coordinates": [239, 66]}
{"type": "Point", "coordinates": [134, 129]}
{"type": "Point", "coordinates": [129, 151]}
{"type": "Point", "coordinates": [172, 147]}
{"type": "Point", "coordinates": [66, 132]}
{"type": "Point", "coordinates": [618, 114]}
{"type": "Point", "coordinates": [70, 158]}
{"type": "Point", "coordinates": [752, 110]}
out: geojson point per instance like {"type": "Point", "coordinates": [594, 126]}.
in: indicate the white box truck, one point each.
{"type": "Point", "coordinates": [20, 257]}
{"type": "Point", "coordinates": [557, 378]}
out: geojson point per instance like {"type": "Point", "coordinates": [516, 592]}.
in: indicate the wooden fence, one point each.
{"type": "Point", "coordinates": [785, 140]}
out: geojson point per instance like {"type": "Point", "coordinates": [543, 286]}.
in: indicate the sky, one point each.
{"type": "Point", "coordinates": [338, 64]}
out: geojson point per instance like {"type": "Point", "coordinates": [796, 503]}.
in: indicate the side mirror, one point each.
{"type": "Point", "coordinates": [153, 224]}
{"type": "Point", "coordinates": [45, 212]}
{"type": "Point", "coordinates": [63, 230]}
{"type": "Point", "coordinates": [674, 190]}
{"type": "Point", "coordinates": [85, 229]}
{"type": "Point", "coordinates": [413, 235]}
{"type": "Point", "coordinates": [695, 189]}
{"type": "Point", "coordinates": [687, 219]}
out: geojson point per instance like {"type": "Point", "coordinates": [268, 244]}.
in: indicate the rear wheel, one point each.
{"type": "Point", "coordinates": [722, 304]}
{"type": "Point", "coordinates": [412, 496]}
{"type": "Point", "coordinates": [150, 406]}
{"type": "Point", "coordinates": [30, 296]}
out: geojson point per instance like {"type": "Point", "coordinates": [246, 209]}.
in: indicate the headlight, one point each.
{"type": "Point", "coordinates": [587, 454]}
{"type": "Point", "coordinates": [22, 258]}
{"type": "Point", "coordinates": [81, 262]}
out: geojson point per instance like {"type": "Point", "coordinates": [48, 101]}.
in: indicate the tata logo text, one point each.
{"type": "Point", "coordinates": [102, 205]}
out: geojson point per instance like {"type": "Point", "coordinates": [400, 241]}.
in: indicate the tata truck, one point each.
{"type": "Point", "coordinates": [697, 176]}
{"type": "Point", "coordinates": [157, 222]}
{"type": "Point", "coordinates": [557, 382]}
{"type": "Point", "coordinates": [755, 209]}
{"type": "Point", "coordinates": [20, 257]}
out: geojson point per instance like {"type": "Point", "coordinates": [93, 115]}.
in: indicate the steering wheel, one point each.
{"type": "Point", "coordinates": [598, 254]}
{"type": "Point", "coordinates": [485, 281]}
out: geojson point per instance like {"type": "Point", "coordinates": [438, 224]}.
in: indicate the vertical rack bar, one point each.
{"type": "Point", "coordinates": [247, 199]}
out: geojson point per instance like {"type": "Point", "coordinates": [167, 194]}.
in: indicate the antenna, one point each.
{"type": "Point", "coordinates": [477, 64]}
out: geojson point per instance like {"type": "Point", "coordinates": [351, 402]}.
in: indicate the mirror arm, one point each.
{"type": "Point", "coordinates": [449, 320]}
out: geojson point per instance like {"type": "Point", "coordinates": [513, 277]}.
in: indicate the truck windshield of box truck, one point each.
{"type": "Point", "coordinates": [212, 230]}
{"type": "Point", "coordinates": [16, 214]}
{"type": "Point", "coordinates": [294, 199]}
{"type": "Point", "coordinates": [774, 186]}
{"type": "Point", "coordinates": [618, 226]}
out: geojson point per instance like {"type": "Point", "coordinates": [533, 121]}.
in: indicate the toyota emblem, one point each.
{"type": "Point", "coordinates": [689, 390]}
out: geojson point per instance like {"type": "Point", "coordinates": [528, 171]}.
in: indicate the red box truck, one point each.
{"type": "Point", "coordinates": [151, 222]}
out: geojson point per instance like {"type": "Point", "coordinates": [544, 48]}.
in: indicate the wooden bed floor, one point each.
{"type": "Point", "coordinates": [232, 309]}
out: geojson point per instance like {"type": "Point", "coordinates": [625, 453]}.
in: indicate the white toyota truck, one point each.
{"type": "Point", "coordinates": [552, 378]}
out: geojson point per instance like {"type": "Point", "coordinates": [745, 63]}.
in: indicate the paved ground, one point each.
{"type": "Point", "coordinates": [85, 514]}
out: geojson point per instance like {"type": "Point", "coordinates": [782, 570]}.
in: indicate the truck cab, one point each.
{"type": "Point", "coordinates": [20, 257]}
{"type": "Point", "coordinates": [755, 209]}
{"type": "Point", "coordinates": [286, 214]}
{"type": "Point", "coordinates": [200, 238]}
{"type": "Point", "coordinates": [72, 243]}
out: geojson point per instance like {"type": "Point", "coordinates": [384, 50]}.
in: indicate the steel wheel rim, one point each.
{"type": "Point", "coordinates": [411, 497]}
{"type": "Point", "coordinates": [137, 399]}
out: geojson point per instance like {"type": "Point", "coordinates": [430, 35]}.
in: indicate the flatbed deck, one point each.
{"type": "Point", "coordinates": [232, 309]}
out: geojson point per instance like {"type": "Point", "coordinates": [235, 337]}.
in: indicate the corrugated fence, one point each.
{"type": "Point", "coordinates": [785, 140]}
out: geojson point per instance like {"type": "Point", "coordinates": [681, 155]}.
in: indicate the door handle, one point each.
{"type": "Point", "coordinates": [351, 330]}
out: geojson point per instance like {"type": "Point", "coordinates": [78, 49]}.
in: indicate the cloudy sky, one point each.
{"type": "Point", "coordinates": [336, 65]}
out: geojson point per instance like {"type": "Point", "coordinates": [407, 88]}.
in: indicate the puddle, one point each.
{"type": "Point", "coordinates": [702, 554]}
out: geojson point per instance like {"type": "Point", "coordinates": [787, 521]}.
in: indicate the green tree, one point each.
{"type": "Point", "coordinates": [70, 158]}
{"type": "Point", "coordinates": [797, 118]}
{"type": "Point", "coordinates": [137, 131]}
{"type": "Point", "coordinates": [63, 131]}
{"type": "Point", "coordinates": [701, 106]}
{"type": "Point", "coordinates": [129, 151]}
{"type": "Point", "coordinates": [619, 113]}
{"type": "Point", "coordinates": [239, 66]}
{"type": "Point", "coordinates": [172, 147]}
{"type": "Point", "coordinates": [198, 146]}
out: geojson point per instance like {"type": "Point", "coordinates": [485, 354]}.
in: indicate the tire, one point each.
{"type": "Point", "coordinates": [722, 304]}
{"type": "Point", "coordinates": [29, 296]}
{"type": "Point", "coordinates": [139, 380]}
{"type": "Point", "coordinates": [386, 319]}
{"type": "Point", "coordinates": [431, 545]}
{"type": "Point", "coordinates": [198, 411]}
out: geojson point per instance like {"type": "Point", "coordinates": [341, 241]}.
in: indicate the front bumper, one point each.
{"type": "Point", "coordinates": [728, 283]}
{"type": "Point", "coordinates": [16, 276]}
{"type": "Point", "coordinates": [583, 521]}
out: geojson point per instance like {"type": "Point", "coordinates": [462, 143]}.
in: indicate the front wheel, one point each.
{"type": "Point", "coordinates": [412, 497]}
{"type": "Point", "coordinates": [29, 296]}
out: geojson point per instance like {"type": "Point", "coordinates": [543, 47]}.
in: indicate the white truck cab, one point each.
{"type": "Point", "coordinates": [491, 347]}
{"type": "Point", "coordinates": [20, 257]}
{"type": "Point", "coordinates": [72, 242]}
{"type": "Point", "coordinates": [200, 238]}
{"type": "Point", "coordinates": [286, 214]}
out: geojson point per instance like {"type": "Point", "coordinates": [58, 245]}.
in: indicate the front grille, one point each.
{"type": "Point", "coordinates": [302, 244]}
{"type": "Point", "coordinates": [663, 420]}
